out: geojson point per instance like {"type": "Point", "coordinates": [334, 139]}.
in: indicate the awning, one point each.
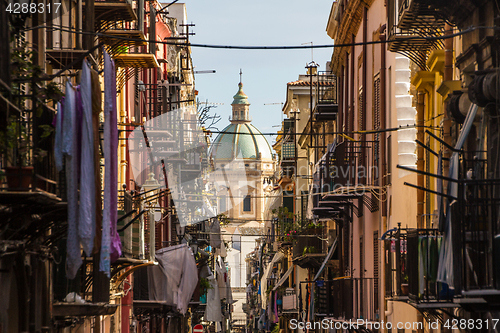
{"type": "Point", "coordinates": [330, 253]}
{"type": "Point", "coordinates": [284, 277]}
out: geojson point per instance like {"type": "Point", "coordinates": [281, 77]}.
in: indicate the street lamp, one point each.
{"type": "Point", "coordinates": [151, 186]}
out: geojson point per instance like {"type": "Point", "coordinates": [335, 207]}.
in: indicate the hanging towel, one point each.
{"type": "Point", "coordinates": [116, 245]}
{"type": "Point", "coordinates": [109, 97]}
{"type": "Point", "coordinates": [179, 267]}
{"type": "Point", "coordinates": [58, 141]}
{"type": "Point", "coordinates": [213, 309]}
{"type": "Point", "coordinates": [189, 281]}
{"type": "Point", "coordinates": [73, 258]}
{"type": "Point", "coordinates": [96, 110]}
{"type": "Point", "coordinates": [215, 238]}
{"type": "Point", "coordinates": [86, 213]}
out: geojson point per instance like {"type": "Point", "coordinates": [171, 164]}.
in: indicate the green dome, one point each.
{"type": "Point", "coordinates": [240, 97]}
{"type": "Point", "coordinates": [239, 141]}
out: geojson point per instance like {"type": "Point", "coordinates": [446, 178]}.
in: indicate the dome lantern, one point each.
{"type": "Point", "coordinates": [240, 105]}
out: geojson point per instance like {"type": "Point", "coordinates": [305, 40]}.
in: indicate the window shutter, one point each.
{"type": "Point", "coordinates": [376, 125]}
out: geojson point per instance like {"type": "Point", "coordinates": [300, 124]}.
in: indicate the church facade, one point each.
{"type": "Point", "coordinates": [244, 168]}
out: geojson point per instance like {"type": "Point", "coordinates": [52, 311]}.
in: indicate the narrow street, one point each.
{"type": "Point", "coordinates": [278, 167]}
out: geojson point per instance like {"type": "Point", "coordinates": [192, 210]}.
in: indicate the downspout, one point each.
{"type": "Point", "coordinates": [346, 95]}
{"type": "Point", "coordinates": [420, 177]}
{"type": "Point", "coordinates": [382, 165]}
{"type": "Point", "coordinates": [383, 136]}
{"type": "Point", "coordinates": [340, 103]}
{"type": "Point", "coordinates": [363, 103]}
{"type": "Point", "coordinates": [420, 155]}
{"type": "Point", "coordinates": [352, 178]}
{"type": "Point", "coordinates": [447, 123]}
{"type": "Point", "coordinates": [448, 75]}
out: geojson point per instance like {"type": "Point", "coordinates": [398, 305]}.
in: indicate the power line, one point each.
{"type": "Point", "coordinates": [331, 133]}
{"type": "Point", "coordinates": [272, 47]}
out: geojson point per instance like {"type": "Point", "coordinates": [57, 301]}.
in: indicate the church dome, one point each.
{"type": "Point", "coordinates": [240, 141]}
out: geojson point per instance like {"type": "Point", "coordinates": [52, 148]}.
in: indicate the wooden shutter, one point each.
{"type": "Point", "coordinates": [375, 270]}
{"type": "Point", "coordinates": [376, 126]}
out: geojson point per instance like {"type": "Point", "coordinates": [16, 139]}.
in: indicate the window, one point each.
{"type": "Point", "coordinates": [222, 204]}
{"type": "Point", "coordinates": [247, 204]}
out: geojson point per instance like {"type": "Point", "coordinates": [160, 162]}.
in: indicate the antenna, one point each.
{"type": "Point", "coordinates": [210, 103]}
{"type": "Point", "coordinates": [281, 110]}
{"type": "Point", "coordinates": [312, 48]}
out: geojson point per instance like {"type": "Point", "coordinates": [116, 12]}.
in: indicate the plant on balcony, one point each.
{"type": "Point", "coordinates": [204, 286]}
{"type": "Point", "coordinates": [16, 141]}
{"type": "Point", "coordinates": [309, 249]}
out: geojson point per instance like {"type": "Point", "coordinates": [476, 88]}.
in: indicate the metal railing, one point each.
{"type": "Point", "coordinates": [478, 215]}
{"type": "Point", "coordinates": [423, 261]}
{"type": "Point", "coordinates": [29, 144]}
{"type": "Point", "coordinates": [396, 265]}
{"type": "Point", "coordinates": [347, 298]}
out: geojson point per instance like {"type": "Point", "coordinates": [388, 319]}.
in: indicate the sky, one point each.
{"type": "Point", "coordinates": [265, 72]}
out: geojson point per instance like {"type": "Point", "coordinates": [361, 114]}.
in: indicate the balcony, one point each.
{"type": "Point", "coordinates": [478, 214]}
{"type": "Point", "coordinates": [307, 246]}
{"type": "Point", "coordinates": [395, 248]}
{"type": "Point", "coordinates": [326, 107]}
{"type": "Point", "coordinates": [336, 176]}
{"type": "Point", "coordinates": [408, 23]}
{"type": "Point", "coordinates": [114, 10]}
{"type": "Point", "coordinates": [347, 298]}
{"type": "Point", "coordinates": [289, 301]}
{"type": "Point", "coordinates": [456, 12]}
{"type": "Point", "coordinates": [423, 246]}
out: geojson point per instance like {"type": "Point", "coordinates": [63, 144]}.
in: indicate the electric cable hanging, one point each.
{"type": "Point", "coordinates": [272, 47]}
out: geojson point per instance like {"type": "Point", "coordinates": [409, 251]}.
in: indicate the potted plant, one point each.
{"type": "Point", "coordinates": [17, 148]}
{"type": "Point", "coordinates": [204, 286]}
{"type": "Point", "coordinates": [16, 140]}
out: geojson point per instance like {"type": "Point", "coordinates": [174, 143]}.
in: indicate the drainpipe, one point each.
{"type": "Point", "coordinates": [340, 102]}
{"type": "Point", "coordinates": [383, 136]}
{"type": "Point", "coordinates": [420, 155]}
{"type": "Point", "coordinates": [365, 90]}
{"type": "Point", "coordinates": [447, 124]}
{"type": "Point", "coordinates": [448, 75]}
{"type": "Point", "coordinates": [352, 178]}
{"type": "Point", "coordinates": [382, 166]}
{"type": "Point", "coordinates": [420, 177]}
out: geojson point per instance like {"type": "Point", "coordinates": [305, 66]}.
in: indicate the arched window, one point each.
{"type": "Point", "coordinates": [247, 204]}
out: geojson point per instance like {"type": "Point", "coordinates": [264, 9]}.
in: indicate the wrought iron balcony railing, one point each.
{"type": "Point", "coordinates": [347, 298]}
{"type": "Point", "coordinates": [422, 267]}
{"type": "Point", "coordinates": [478, 216]}
{"type": "Point", "coordinates": [409, 22]}
{"type": "Point", "coordinates": [326, 107]}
